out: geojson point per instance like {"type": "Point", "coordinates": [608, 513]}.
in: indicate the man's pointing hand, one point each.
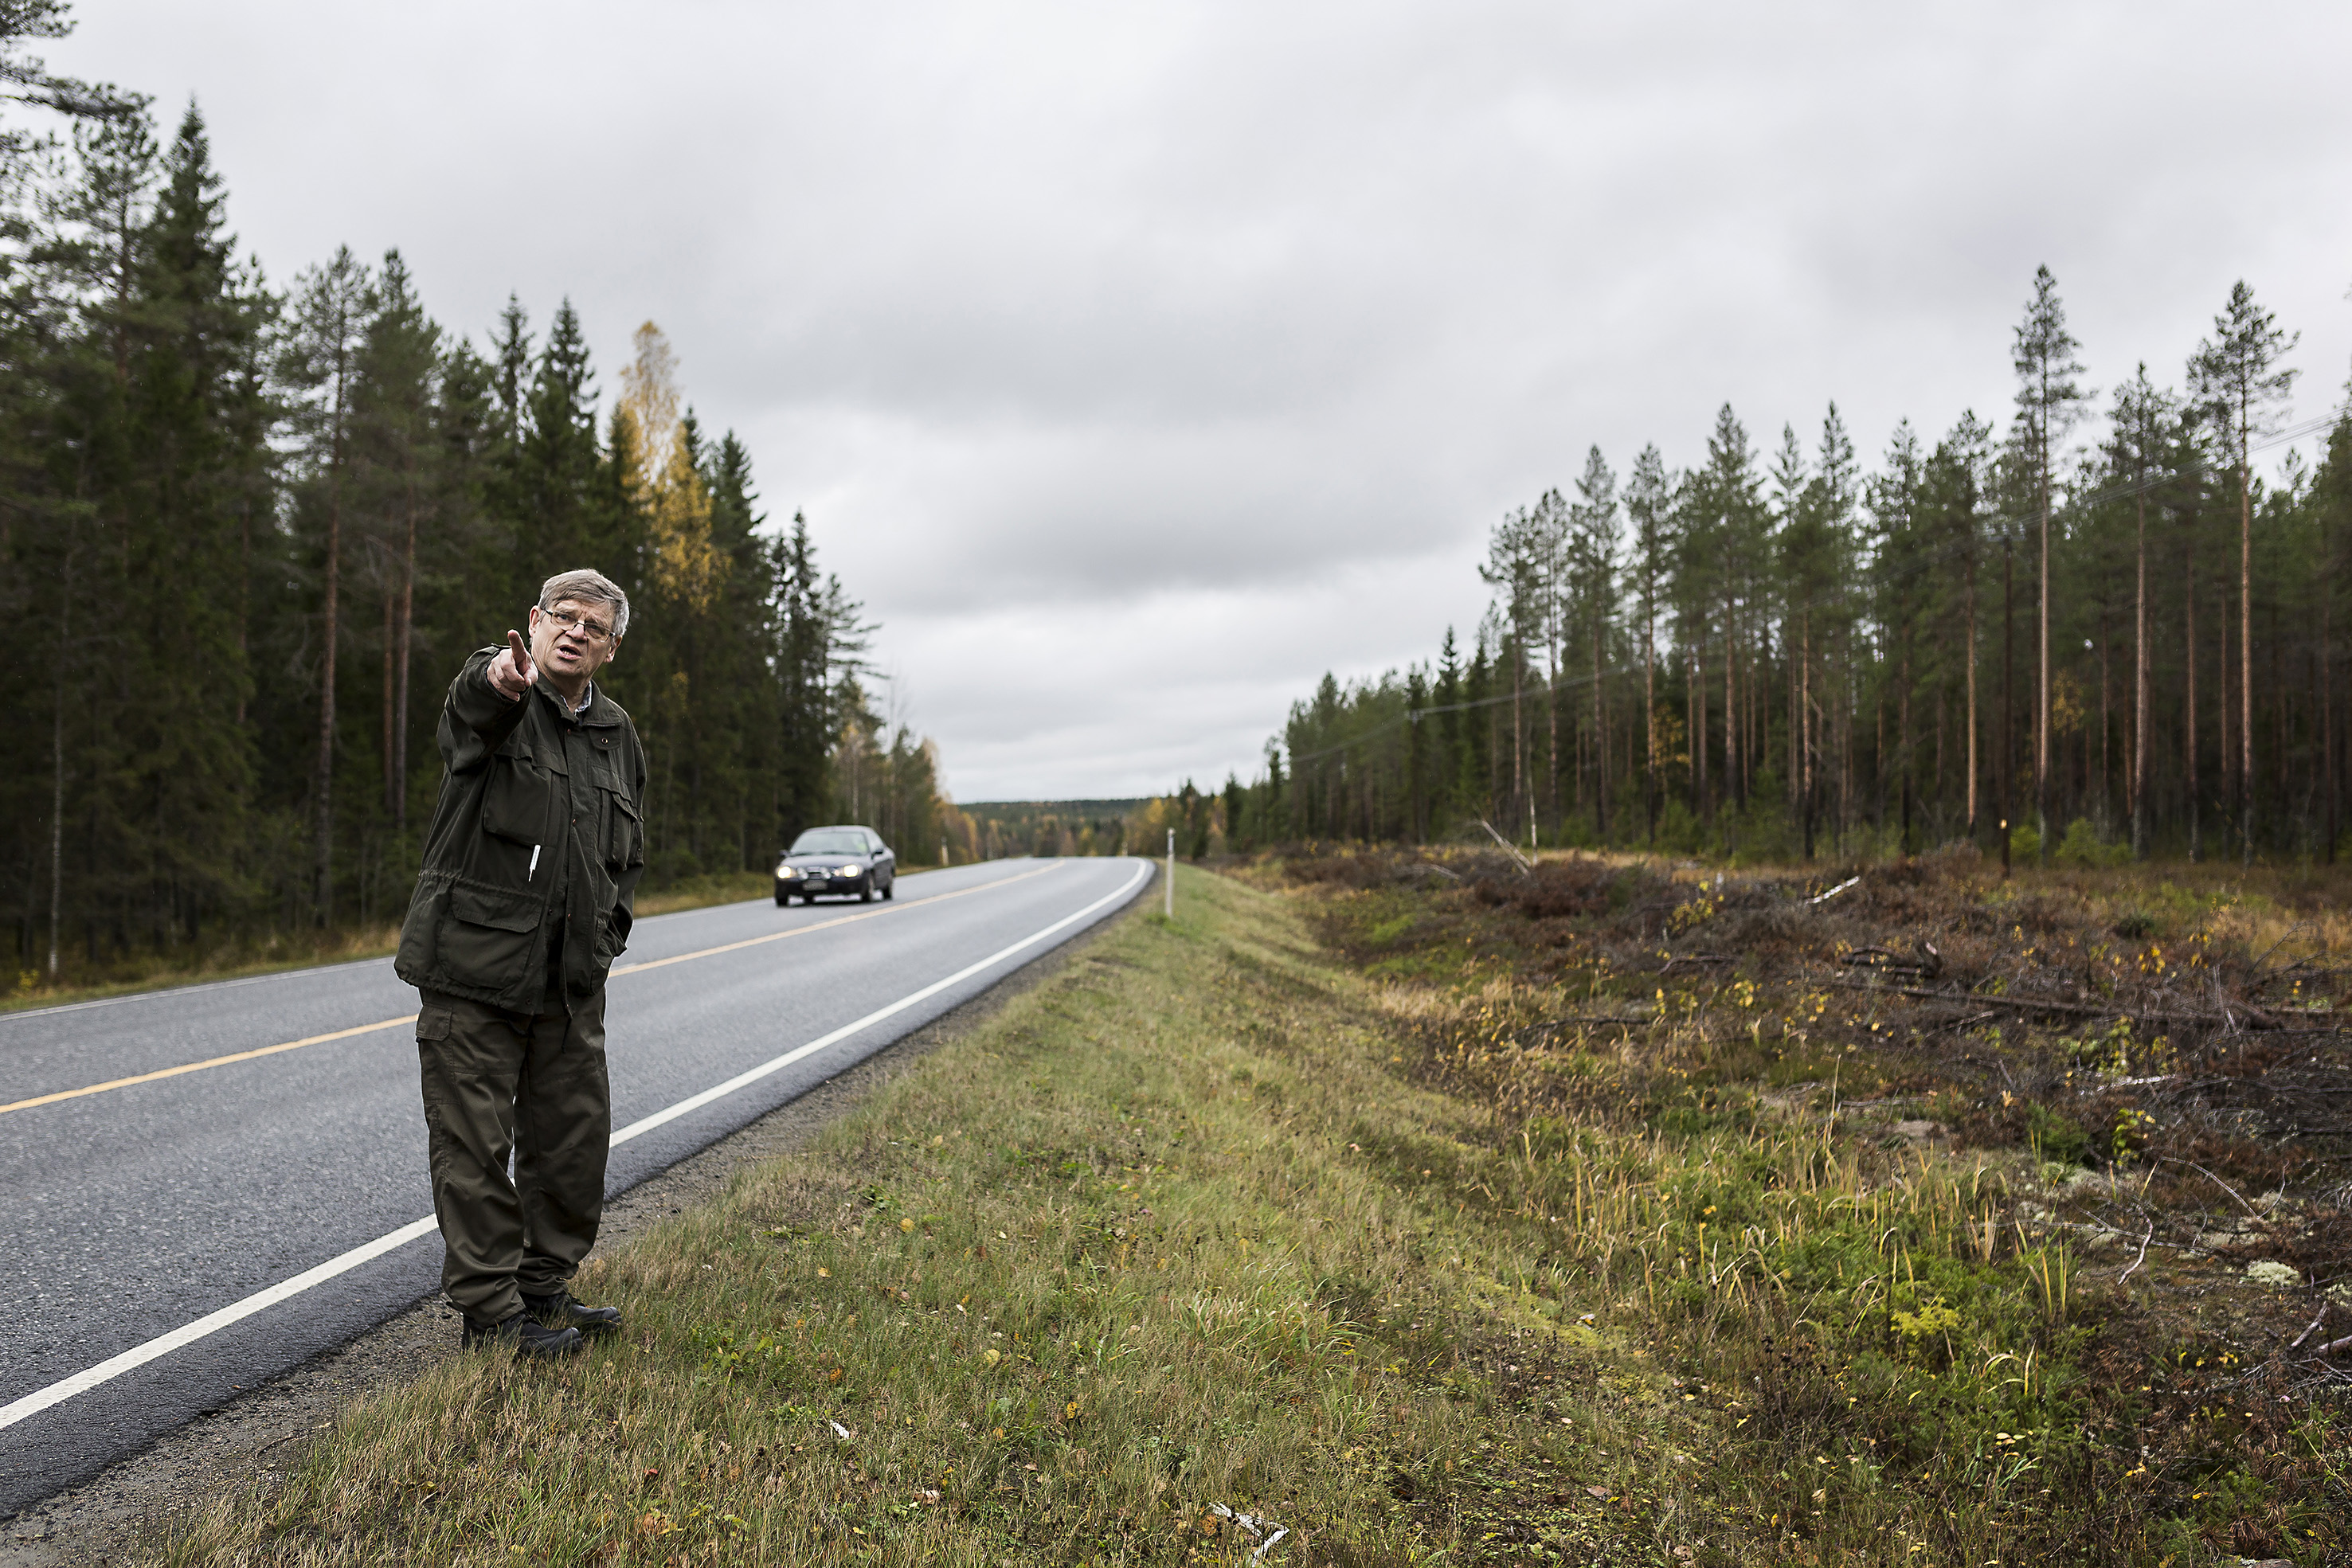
{"type": "Point", "coordinates": [510, 672]}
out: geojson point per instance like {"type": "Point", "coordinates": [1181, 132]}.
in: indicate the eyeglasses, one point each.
{"type": "Point", "coordinates": [589, 632]}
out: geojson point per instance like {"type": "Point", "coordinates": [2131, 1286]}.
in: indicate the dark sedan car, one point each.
{"type": "Point", "coordinates": [839, 862]}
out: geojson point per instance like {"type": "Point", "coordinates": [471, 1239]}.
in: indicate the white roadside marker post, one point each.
{"type": "Point", "coordinates": [1171, 873]}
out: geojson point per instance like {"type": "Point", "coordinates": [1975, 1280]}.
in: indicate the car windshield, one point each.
{"type": "Point", "coordinates": [829, 842]}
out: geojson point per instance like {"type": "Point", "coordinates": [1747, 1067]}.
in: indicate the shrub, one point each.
{"type": "Point", "coordinates": [2082, 846]}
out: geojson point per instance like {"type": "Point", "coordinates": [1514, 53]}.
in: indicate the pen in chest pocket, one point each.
{"type": "Point", "coordinates": [534, 864]}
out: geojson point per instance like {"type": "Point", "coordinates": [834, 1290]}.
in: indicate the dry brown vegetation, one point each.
{"type": "Point", "coordinates": [2135, 1078]}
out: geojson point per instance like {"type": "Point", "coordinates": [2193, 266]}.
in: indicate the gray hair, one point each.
{"type": "Point", "coordinates": [587, 587]}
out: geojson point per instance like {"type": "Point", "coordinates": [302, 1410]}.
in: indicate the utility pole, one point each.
{"type": "Point", "coordinates": [1171, 873]}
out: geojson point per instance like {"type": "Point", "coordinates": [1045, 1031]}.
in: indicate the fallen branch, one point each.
{"type": "Point", "coordinates": [1832, 893]}
{"type": "Point", "coordinates": [1525, 866]}
{"type": "Point", "coordinates": [2251, 1210]}
{"type": "Point", "coordinates": [2046, 1005]}
{"type": "Point", "coordinates": [2313, 1326]}
{"type": "Point", "coordinates": [2143, 1256]}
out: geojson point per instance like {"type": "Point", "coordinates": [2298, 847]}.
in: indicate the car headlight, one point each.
{"type": "Point", "coordinates": [788, 871]}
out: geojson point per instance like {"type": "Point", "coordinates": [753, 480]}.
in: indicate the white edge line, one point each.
{"type": "Point", "coordinates": [213, 1323]}
{"type": "Point", "coordinates": [743, 1080]}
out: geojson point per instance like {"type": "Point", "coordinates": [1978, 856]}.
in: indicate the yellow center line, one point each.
{"type": "Point", "coordinates": [411, 1018]}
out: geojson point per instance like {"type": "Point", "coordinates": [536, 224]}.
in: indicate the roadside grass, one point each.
{"type": "Point", "coordinates": [1406, 1211]}
{"type": "Point", "coordinates": [276, 952]}
{"type": "Point", "coordinates": [1143, 1245]}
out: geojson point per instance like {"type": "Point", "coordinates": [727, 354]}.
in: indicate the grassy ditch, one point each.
{"type": "Point", "coordinates": [1427, 1224]}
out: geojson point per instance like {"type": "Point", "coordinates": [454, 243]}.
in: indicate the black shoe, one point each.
{"type": "Point", "coordinates": [524, 1337]}
{"type": "Point", "coordinates": [562, 1310]}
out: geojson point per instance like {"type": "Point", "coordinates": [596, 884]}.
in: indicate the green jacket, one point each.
{"type": "Point", "coordinates": [524, 779]}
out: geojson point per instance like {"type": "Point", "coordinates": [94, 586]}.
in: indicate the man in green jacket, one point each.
{"type": "Point", "coordinates": [525, 899]}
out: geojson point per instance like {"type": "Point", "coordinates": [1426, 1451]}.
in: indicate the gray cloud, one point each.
{"type": "Point", "coordinates": [1137, 365]}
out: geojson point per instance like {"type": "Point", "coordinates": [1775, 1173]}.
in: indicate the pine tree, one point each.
{"type": "Point", "coordinates": [332, 308]}
{"type": "Point", "coordinates": [1649, 508]}
{"type": "Point", "coordinates": [1593, 519]}
{"type": "Point", "coordinates": [2332, 497]}
{"type": "Point", "coordinates": [2135, 448]}
{"type": "Point", "coordinates": [2236, 378]}
{"type": "Point", "coordinates": [2048, 402]}
{"type": "Point", "coordinates": [394, 446]}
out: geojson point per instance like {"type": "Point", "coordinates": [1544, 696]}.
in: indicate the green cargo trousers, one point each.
{"type": "Point", "coordinates": [498, 1084]}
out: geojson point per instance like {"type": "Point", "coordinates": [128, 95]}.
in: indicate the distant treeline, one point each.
{"type": "Point", "coordinates": [250, 534]}
{"type": "Point", "coordinates": [998, 829]}
{"type": "Point", "coordinates": [994, 830]}
{"type": "Point", "coordinates": [2124, 648]}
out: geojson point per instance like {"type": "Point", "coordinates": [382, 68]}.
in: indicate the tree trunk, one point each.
{"type": "Point", "coordinates": [2042, 695]}
{"type": "Point", "coordinates": [2106, 723]}
{"type": "Point", "coordinates": [2139, 691]}
{"type": "Point", "coordinates": [1551, 735]}
{"type": "Point", "coordinates": [324, 826]}
{"type": "Point", "coordinates": [57, 768]}
{"type": "Point", "coordinates": [407, 638]}
{"type": "Point", "coordinates": [1805, 727]}
{"type": "Point", "coordinates": [1650, 711]}
{"type": "Point", "coordinates": [2246, 648]}
{"type": "Point", "coordinates": [1705, 789]}
{"type": "Point", "coordinates": [1974, 768]}
{"type": "Point", "coordinates": [2327, 692]}
{"type": "Point", "coordinates": [1518, 733]}
{"type": "Point", "coordinates": [1599, 740]}
{"type": "Point", "coordinates": [2189, 636]}
{"type": "Point", "coordinates": [2221, 712]}
{"type": "Point", "coordinates": [1731, 721]}
{"type": "Point", "coordinates": [2008, 711]}
{"type": "Point", "coordinates": [391, 657]}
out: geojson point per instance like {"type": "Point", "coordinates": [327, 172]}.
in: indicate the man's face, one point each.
{"type": "Point", "coordinates": [570, 652]}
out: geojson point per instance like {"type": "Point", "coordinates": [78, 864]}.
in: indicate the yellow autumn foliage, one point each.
{"type": "Point", "coordinates": [661, 477]}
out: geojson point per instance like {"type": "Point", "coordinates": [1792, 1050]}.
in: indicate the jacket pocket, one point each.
{"type": "Point", "coordinates": [490, 938]}
{"type": "Point", "coordinates": [612, 939]}
{"type": "Point", "coordinates": [515, 798]}
{"type": "Point", "coordinates": [624, 833]}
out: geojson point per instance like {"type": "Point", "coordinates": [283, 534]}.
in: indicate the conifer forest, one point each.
{"type": "Point", "coordinates": [2109, 623]}
{"type": "Point", "coordinates": [252, 525]}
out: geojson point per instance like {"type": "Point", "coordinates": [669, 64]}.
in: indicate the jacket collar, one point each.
{"type": "Point", "coordinates": [601, 711]}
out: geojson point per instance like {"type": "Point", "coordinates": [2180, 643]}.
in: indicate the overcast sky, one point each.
{"type": "Point", "coordinates": [1138, 364]}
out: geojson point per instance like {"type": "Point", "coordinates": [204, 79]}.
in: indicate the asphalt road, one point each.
{"type": "Point", "coordinates": [130, 1215]}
